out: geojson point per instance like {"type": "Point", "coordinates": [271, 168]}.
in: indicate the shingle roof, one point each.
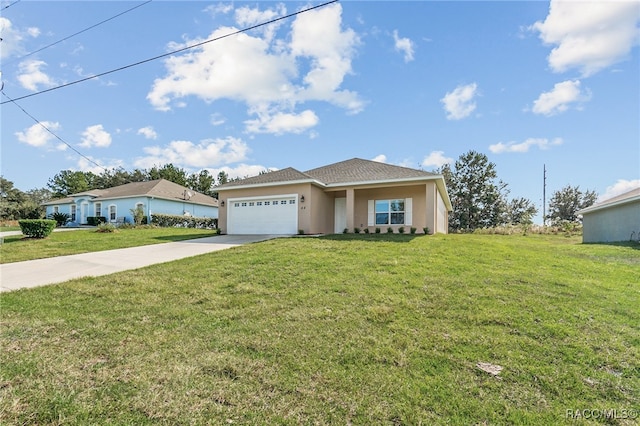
{"type": "Point", "coordinates": [359, 170]}
{"type": "Point", "coordinates": [161, 188]}
{"type": "Point", "coordinates": [349, 171]}
{"type": "Point", "coordinates": [285, 175]}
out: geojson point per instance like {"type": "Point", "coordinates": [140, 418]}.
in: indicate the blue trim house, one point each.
{"type": "Point", "coordinates": [115, 204]}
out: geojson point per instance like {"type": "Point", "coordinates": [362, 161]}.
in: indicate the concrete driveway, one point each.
{"type": "Point", "coordinates": [35, 273]}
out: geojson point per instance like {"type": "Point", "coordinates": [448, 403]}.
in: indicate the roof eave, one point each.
{"type": "Point", "coordinates": [595, 208]}
{"type": "Point", "coordinates": [267, 184]}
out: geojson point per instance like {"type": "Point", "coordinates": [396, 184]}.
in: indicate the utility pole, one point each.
{"type": "Point", "coordinates": [544, 195]}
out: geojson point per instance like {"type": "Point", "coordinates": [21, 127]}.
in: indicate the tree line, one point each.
{"type": "Point", "coordinates": [481, 200]}
{"type": "Point", "coordinates": [478, 197]}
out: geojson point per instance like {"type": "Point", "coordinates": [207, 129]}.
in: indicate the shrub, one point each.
{"type": "Point", "coordinates": [168, 221]}
{"type": "Point", "coordinates": [37, 228]}
{"type": "Point", "coordinates": [366, 230]}
{"type": "Point", "coordinates": [413, 230]}
{"type": "Point", "coordinates": [345, 231]}
{"type": "Point", "coordinates": [356, 230]}
{"type": "Point", "coordinates": [426, 231]}
{"type": "Point", "coordinates": [96, 220]}
{"type": "Point", "coordinates": [401, 229]}
{"type": "Point", "coordinates": [389, 230]}
{"type": "Point", "coordinates": [138, 215]}
{"type": "Point", "coordinates": [60, 218]}
{"type": "Point", "coordinates": [377, 230]}
{"type": "Point", "coordinates": [300, 231]}
{"type": "Point", "coordinates": [106, 227]}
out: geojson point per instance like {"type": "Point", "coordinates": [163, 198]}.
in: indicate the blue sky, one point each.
{"type": "Point", "coordinates": [414, 83]}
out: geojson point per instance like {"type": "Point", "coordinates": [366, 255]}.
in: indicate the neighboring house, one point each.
{"type": "Point", "coordinates": [115, 204]}
{"type": "Point", "coordinates": [350, 194]}
{"type": "Point", "coordinates": [615, 219]}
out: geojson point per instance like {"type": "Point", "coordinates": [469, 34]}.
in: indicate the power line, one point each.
{"type": "Point", "coordinates": [9, 5]}
{"type": "Point", "coordinates": [174, 52]}
{"type": "Point", "coordinates": [51, 132]}
{"type": "Point", "coordinates": [79, 32]}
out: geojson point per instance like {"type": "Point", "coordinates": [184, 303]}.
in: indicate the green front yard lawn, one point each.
{"type": "Point", "coordinates": [350, 329]}
{"type": "Point", "coordinates": [18, 248]}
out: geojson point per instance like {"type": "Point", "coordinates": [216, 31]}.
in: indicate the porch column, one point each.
{"type": "Point", "coordinates": [350, 209]}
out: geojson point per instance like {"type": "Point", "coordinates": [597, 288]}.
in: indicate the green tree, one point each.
{"type": "Point", "coordinates": [69, 182]}
{"type": "Point", "coordinates": [15, 204]}
{"type": "Point", "coordinates": [223, 177]}
{"type": "Point", "coordinates": [520, 211]}
{"type": "Point", "coordinates": [203, 182]}
{"type": "Point", "coordinates": [477, 196]}
{"type": "Point", "coordinates": [170, 173]}
{"type": "Point", "coordinates": [565, 204]}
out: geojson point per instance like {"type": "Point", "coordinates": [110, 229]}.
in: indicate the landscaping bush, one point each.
{"type": "Point", "coordinates": [356, 230]}
{"type": "Point", "coordinates": [401, 229]}
{"type": "Point", "coordinates": [106, 227]}
{"type": "Point", "coordinates": [60, 218]}
{"type": "Point", "coordinates": [389, 230]}
{"type": "Point", "coordinates": [37, 228]}
{"type": "Point", "coordinates": [377, 230]}
{"type": "Point", "coordinates": [426, 231]}
{"type": "Point", "coordinates": [170, 221]}
{"type": "Point", "coordinates": [413, 230]}
{"type": "Point", "coordinates": [366, 230]}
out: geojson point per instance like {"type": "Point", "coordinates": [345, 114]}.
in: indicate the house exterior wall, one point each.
{"type": "Point", "coordinates": [123, 208]}
{"type": "Point", "coordinates": [316, 213]}
{"type": "Point", "coordinates": [615, 223]}
{"type": "Point", "coordinates": [304, 211]}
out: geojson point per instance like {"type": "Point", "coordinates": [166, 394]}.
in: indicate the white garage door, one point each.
{"type": "Point", "coordinates": [263, 216]}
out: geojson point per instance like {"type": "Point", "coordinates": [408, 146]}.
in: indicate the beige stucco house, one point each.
{"type": "Point", "coordinates": [350, 194]}
{"type": "Point", "coordinates": [615, 219]}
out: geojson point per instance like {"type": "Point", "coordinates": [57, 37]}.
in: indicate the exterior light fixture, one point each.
{"type": "Point", "coordinates": [302, 198]}
{"type": "Point", "coordinates": [222, 203]}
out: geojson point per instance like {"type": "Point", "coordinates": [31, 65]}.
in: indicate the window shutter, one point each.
{"type": "Point", "coordinates": [408, 211]}
{"type": "Point", "coordinates": [371, 213]}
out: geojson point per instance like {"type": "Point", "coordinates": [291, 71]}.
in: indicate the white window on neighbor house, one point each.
{"type": "Point", "coordinates": [73, 212]}
{"type": "Point", "coordinates": [390, 212]}
{"type": "Point", "coordinates": [112, 213]}
{"type": "Point", "coordinates": [97, 209]}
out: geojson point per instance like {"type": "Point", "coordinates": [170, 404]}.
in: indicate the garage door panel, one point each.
{"type": "Point", "coordinates": [265, 216]}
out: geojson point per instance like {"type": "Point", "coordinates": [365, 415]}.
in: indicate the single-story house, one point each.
{"type": "Point", "coordinates": [350, 194]}
{"type": "Point", "coordinates": [615, 219]}
{"type": "Point", "coordinates": [115, 204]}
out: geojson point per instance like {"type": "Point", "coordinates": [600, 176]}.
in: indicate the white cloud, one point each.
{"type": "Point", "coordinates": [85, 165]}
{"type": "Point", "coordinates": [13, 38]}
{"type": "Point", "coordinates": [620, 187]}
{"type": "Point", "coordinates": [31, 76]}
{"type": "Point", "coordinates": [217, 119]}
{"type": "Point", "coordinates": [560, 97]}
{"type": "Point", "coordinates": [436, 159]}
{"type": "Point", "coordinates": [380, 158]}
{"type": "Point", "coordinates": [95, 136]}
{"type": "Point", "coordinates": [280, 122]}
{"type": "Point", "coordinates": [148, 132]}
{"type": "Point", "coordinates": [39, 137]}
{"type": "Point", "coordinates": [207, 153]}
{"type": "Point", "coordinates": [216, 9]}
{"type": "Point", "coordinates": [589, 35]}
{"type": "Point", "coordinates": [247, 17]}
{"type": "Point", "coordinates": [404, 45]}
{"type": "Point", "coordinates": [267, 75]}
{"type": "Point", "coordinates": [541, 143]}
{"type": "Point", "coordinates": [459, 104]}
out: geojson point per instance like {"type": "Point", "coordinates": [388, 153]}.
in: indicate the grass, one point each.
{"type": "Point", "coordinates": [349, 329]}
{"type": "Point", "coordinates": [18, 248]}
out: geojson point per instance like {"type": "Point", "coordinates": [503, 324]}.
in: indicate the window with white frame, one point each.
{"type": "Point", "coordinates": [390, 212]}
{"type": "Point", "coordinates": [73, 212]}
{"type": "Point", "coordinates": [112, 213]}
{"type": "Point", "coordinates": [97, 209]}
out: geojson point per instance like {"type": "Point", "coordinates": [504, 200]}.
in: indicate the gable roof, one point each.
{"type": "Point", "coordinates": [627, 197]}
{"type": "Point", "coordinates": [160, 188]}
{"type": "Point", "coordinates": [358, 170]}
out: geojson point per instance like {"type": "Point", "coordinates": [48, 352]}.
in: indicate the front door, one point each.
{"type": "Point", "coordinates": [340, 216]}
